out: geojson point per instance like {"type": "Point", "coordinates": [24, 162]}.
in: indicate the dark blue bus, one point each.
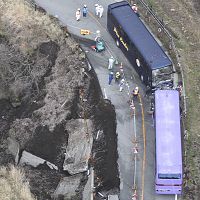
{"type": "Point", "coordinates": [139, 46]}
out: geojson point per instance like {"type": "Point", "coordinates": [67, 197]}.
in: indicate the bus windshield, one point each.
{"type": "Point", "coordinates": [162, 74]}
{"type": "Point", "coordinates": [169, 176]}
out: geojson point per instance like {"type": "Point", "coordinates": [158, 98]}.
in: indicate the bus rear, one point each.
{"type": "Point", "coordinates": [169, 181]}
{"type": "Point", "coordinates": [168, 143]}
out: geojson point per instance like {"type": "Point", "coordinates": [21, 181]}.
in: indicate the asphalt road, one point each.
{"type": "Point", "coordinates": [145, 166]}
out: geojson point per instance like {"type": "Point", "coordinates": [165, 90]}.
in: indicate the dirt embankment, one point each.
{"type": "Point", "coordinates": [183, 18]}
{"type": "Point", "coordinates": [41, 82]}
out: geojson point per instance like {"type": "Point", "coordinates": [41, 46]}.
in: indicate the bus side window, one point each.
{"type": "Point", "coordinates": [138, 62]}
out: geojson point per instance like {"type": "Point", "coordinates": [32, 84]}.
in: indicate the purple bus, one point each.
{"type": "Point", "coordinates": [168, 174]}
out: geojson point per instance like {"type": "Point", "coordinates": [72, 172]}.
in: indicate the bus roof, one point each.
{"type": "Point", "coordinates": [168, 132]}
{"type": "Point", "coordinates": [150, 50]}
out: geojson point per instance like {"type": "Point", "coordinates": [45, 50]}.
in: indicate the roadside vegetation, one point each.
{"type": "Point", "coordinates": [13, 184]}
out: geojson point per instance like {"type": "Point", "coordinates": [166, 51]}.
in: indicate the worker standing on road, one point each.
{"type": "Point", "coordinates": [135, 92]}
{"type": "Point", "coordinates": [101, 11]}
{"type": "Point", "coordinates": [135, 9]}
{"type": "Point", "coordinates": [111, 61]}
{"type": "Point", "coordinates": [117, 77]}
{"type": "Point", "coordinates": [180, 88]}
{"type": "Point", "coordinates": [110, 78]}
{"type": "Point", "coordinates": [78, 14]}
{"type": "Point", "coordinates": [121, 69]}
{"type": "Point", "coordinates": [97, 9]}
{"type": "Point", "coordinates": [121, 85]}
{"type": "Point", "coordinates": [85, 10]}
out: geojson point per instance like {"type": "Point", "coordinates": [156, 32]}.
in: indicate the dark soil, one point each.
{"type": "Point", "coordinates": [43, 181]}
{"type": "Point", "coordinates": [48, 145]}
{"type": "Point", "coordinates": [49, 49]}
{"type": "Point", "coordinates": [105, 148]}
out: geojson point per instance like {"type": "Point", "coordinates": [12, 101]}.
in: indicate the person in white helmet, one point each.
{"type": "Point", "coordinates": [111, 61]}
{"type": "Point", "coordinates": [101, 11]}
{"type": "Point", "coordinates": [135, 92]}
{"type": "Point", "coordinates": [96, 9]}
{"type": "Point", "coordinates": [85, 11]}
{"type": "Point", "coordinates": [121, 85]}
{"type": "Point", "coordinates": [135, 8]}
{"type": "Point", "coordinates": [78, 14]}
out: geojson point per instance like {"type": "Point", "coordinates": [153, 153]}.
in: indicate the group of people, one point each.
{"type": "Point", "coordinates": [98, 11]}
{"type": "Point", "coordinates": [84, 11]}
{"type": "Point", "coordinates": [119, 77]}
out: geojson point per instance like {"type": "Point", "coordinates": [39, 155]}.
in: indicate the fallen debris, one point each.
{"type": "Point", "coordinates": [79, 145]}
{"type": "Point", "coordinates": [68, 186]}
{"type": "Point", "coordinates": [30, 159]}
{"type": "Point", "coordinates": [13, 148]}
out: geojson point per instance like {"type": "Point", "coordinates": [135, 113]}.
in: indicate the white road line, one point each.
{"type": "Point", "coordinates": [135, 159]}
{"type": "Point", "coordinates": [105, 95]}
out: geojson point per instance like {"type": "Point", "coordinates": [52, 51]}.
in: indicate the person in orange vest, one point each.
{"type": "Point", "coordinates": [135, 92]}
{"type": "Point", "coordinates": [117, 77]}
{"type": "Point", "coordinates": [78, 14]}
{"type": "Point", "coordinates": [135, 9]}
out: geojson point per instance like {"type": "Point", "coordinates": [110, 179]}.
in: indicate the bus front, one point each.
{"type": "Point", "coordinates": [162, 71]}
{"type": "Point", "coordinates": [162, 77]}
{"type": "Point", "coordinates": [169, 180]}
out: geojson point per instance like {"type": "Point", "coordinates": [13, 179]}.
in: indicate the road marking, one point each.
{"type": "Point", "coordinates": [176, 197]}
{"type": "Point", "coordinates": [135, 137]}
{"type": "Point", "coordinates": [144, 145]}
{"type": "Point", "coordinates": [105, 95]}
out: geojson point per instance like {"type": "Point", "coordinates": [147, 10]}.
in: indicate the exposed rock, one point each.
{"type": "Point", "coordinates": [79, 145]}
{"type": "Point", "coordinates": [68, 186]}
{"type": "Point", "coordinates": [30, 159]}
{"type": "Point", "coordinates": [13, 148]}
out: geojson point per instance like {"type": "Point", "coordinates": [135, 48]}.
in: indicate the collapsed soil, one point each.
{"type": "Point", "coordinates": [40, 92]}
{"type": "Point", "coordinates": [48, 144]}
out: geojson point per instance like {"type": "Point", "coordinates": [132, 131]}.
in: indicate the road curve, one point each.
{"type": "Point", "coordinates": [65, 11]}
